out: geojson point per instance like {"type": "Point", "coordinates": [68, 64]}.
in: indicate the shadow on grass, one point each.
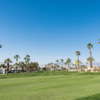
{"type": "Point", "coordinates": [93, 97]}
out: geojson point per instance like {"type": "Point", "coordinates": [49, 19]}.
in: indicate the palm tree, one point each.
{"type": "Point", "coordinates": [21, 65]}
{"type": "Point", "coordinates": [34, 65]}
{"type": "Point", "coordinates": [16, 67]}
{"type": "Point", "coordinates": [51, 66]}
{"type": "Point", "coordinates": [68, 62]}
{"type": "Point", "coordinates": [7, 61]}
{"type": "Point", "coordinates": [37, 66]}
{"type": "Point", "coordinates": [78, 54]}
{"type": "Point", "coordinates": [57, 61]}
{"type": "Point", "coordinates": [27, 59]}
{"type": "Point", "coordinates": [55, 67]}
{"type": "Point", "coordinates": [78, 62]}
{"type": "Point", "coordinates": [16, 57]}
{"type": "Point", "coordinates": [89, 59]}
{"type": "Point", "coordinates": [61, 64]}
{"type": "Point", "coordinates": [89, 47]}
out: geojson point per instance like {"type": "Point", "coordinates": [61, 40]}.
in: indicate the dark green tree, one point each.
{"type": "Point", "coordinates": [34, 66]}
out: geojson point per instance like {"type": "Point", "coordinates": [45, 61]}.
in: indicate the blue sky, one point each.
{"type": "Point", "coordinates": [49, 29]}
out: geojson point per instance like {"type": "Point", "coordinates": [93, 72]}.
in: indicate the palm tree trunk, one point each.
{"type": "Point", "coordinates": [68, 65]}
{"type": "Point", "coordinates": [16, 67]}
{"type": "Point", "coordinates": [7, 68]}
{"type": "Point", "coordinates": [61, 66]}
{"type": "Point", "coordinates": [28, 67]}
{"type": "Point", "coordinates": [37, 68]}
{"type": "Point", "coordinates": [57, 66]}
{"type": "Point", "coordinates": [90, 57]}
{"type": "Point", "coordinates": [78, 61]}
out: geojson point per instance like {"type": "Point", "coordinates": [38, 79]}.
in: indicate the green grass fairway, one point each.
{"type": "Point", "coordinates": [50, 86]}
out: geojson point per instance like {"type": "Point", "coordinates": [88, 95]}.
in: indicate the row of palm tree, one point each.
{"type": "Point", "coordinates": [50, 65]}
{"type": "Point", "coordinates": [77, 53]}
{"type": "Point", "coordinates": [24, 65]}
{"type": "Point", "coordinates": [68, 61]}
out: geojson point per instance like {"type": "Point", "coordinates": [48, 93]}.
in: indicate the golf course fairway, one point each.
{"type": "Point", "coordinates": [50, 86]}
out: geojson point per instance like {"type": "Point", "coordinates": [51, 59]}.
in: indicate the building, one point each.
{"type": "Point", "coordinates": [2, 70]}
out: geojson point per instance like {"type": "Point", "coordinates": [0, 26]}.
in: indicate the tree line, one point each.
{"type": "Point", "coordinates": [77, 63]}
{"type": "Point", "coordinates": [28, 66]}
{"type": "Point", "coordinates": [25, 66]}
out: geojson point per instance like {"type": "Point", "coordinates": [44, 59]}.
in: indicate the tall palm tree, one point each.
{"type": "Point", "coordinates": [61, 64]}
{"type": "Point", "coordinates": [27, 59]}
{"type": "Point", "coordinates": [7, 61]}
{"type": "Point", "coordinates": [78, 54]}
{"type": "Point", "coordinates": [68, 62]}
{"type": "Point", "coordinates": [89, 47]}
{"type": "Point", "coordinates": [57, 61]}
{"type": "Point", "coordinates": [16, 57]}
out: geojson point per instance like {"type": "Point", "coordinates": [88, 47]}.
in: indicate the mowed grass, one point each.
{"type": "Point", "coordinates": [50, 86]}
